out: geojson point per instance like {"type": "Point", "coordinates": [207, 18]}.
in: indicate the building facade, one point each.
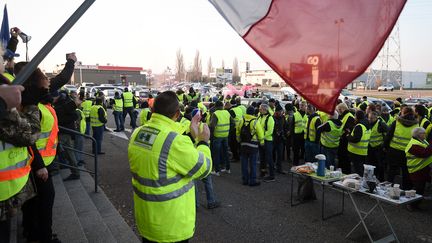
{"type": "Point", "coordinates": [108, 75]}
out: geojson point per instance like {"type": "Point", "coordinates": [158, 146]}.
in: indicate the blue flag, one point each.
{"type": "Point", "coordinates": [4, 31]}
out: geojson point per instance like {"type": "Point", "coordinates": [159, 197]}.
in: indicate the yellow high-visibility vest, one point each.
{"type": "Point", "coordinates": [164, 165]}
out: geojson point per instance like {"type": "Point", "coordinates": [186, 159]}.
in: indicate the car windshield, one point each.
{"type": "Point", "coordinates": [144, 94]}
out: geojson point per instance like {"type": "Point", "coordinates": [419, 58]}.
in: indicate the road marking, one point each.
{"type": "Point", "coordinates": [120, 135]}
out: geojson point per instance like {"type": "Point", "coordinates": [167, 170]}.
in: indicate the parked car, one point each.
{"type": "Point", "coordinates": [387, 87]}
{"type": "Point", "coordinates": [69, 88]}
{"type": "Point", "coordinates": [94, 89]}
{"type": "Point", "coordinates": [415, 101]}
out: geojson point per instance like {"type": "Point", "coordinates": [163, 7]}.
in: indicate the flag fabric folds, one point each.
{"type": "Point", "coordinates": [317, 47]}
{"type": "Point", "coordinates": [4, 31]}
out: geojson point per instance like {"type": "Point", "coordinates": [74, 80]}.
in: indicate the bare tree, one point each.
{"type": "Point", "coordinates": [209, 67]}
{"type": "Point", "coordinates": [235, 71]}
{"type": "Point", "coordinates": [180, 66]}
{"type": "Point", "coordinates": [197, 67]}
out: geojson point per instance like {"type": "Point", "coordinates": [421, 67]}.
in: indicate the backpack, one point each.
{"type": "Point", "coordinates": [245, 133]}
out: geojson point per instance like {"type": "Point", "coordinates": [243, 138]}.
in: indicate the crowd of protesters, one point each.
{"type": "Point", "coordinates": [272, 132]}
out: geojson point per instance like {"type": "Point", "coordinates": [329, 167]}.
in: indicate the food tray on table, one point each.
{"type": "Point", "coordinates": [309, 170]}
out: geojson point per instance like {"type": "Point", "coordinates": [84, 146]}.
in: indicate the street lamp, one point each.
{"type": "Point", "coordinates": [338, 22]}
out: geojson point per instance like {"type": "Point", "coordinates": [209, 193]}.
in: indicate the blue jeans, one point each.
{"type": "Point", "coordinates": [249, 167]}
{"type": "Point", "coordinates": [98, 135]}
{"type": "Point", "coordinates": [208, 186]}
{"type": "Point", "coordinates": [78, 145]}
{"type": "Point", "coordinates": [119, 121]}
{"type": "Point", "coordinates": [130, 111]}
{"type": "Point", "coordinates": [266, 157]}
{"type": "Point", "coordinates": [311, 149]}
{"type": "Point", "coordinates": [219, 149]}
{"type": "Point", "coordinates": [330, 154]}
{"type": "Point", "coordinates": [87, 131]}
{"type": "Point", "coordinates": [278, 149]}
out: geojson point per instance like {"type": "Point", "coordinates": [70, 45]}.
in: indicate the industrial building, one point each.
{"type": "Point", "coordinates": [108, 75]}
{"type": "Point", "coordinates": [410, 80]}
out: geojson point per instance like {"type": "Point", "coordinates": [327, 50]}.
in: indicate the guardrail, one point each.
{"type": "Point", "coordinates": [76, 133]}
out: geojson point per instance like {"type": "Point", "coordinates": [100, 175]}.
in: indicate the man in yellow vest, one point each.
{"type": "Point", "coordinates": [164, 164]}
{"type": "Point", "coordinates": [395, 143]}
{"type": "Point", "coordinates": [250, 135]}
{"type": "Point", "coordinates": [145, 113]}
{"type": "Point", "coordinates": [266, 152]}
{"type": "Point", "coordinates": [237, 114]}
{"type": "Point", "coordinates": [358, 142]}
{"type": "Point", "coordinates": [128, 106]}
{"type": "Point", "coordinates": [86, 106]}
{"type": "Point", "coordinates": [221, 123]}
{"type": "Point", "coordinates": [348, 123]}
{"type": "Point", "coordinates": [298, 137]}
{"type": "Point", "coordinates": [117, 105]}
{"type": "Point", "coordinates": [330, 131]}
{"type": "Point", "coordinates": [81, 127]}
{"type": "Point", "coordinates": [375, 150]}
{"type": "Point", "coordinates": [311, 134]}
{"type": "Point", "coordinates": [98, 118]}
{"type": "Point", "coordinates": [419, 160]}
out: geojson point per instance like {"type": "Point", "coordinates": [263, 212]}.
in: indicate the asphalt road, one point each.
{"type": "Point", "coordinates": [262, 214]}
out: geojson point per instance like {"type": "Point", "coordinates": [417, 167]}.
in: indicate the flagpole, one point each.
{"type": "Point", "coordinates": [34, 63]}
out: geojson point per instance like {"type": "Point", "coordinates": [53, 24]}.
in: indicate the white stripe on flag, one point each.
{"type": "Point", "coordinates": [242, 14]}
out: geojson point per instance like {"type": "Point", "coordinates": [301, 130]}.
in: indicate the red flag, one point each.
{"type": "Point", "coordinates": [317, 47]}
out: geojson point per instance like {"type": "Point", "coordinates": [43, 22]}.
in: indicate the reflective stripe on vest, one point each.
{"type": "Point", "coordinates": [14, 169]}
{"type": "Point", "coordinates": [345, 119]}
{"type": "Point", "coordinates": [376, 138]}
{"type": "Point", "coordinates": [83, 123]}
{"type": "Point", "coordinates": [223, 124]}
{"type": "Point", "coordinates": [128, 99]}
{"type": "Point", "coordinates": [360, 148]}
{"type": "Point", "coordinates": [238, 115]}
{"type": "Point", "coordinates": [331, 139]}
{"type": "Point", "coordinates": [94, 116]}
{"type": "Point", "coordinates": [47, 142]}
{"type": "Point", "coordinates": [86, 106]}
{"type": "Point", "coordinates": [118, 105]}
{"type": "Point", "coordinates": [414, 163]}
{"type": "Point", "coordinates": [310, 129]}
{"type": "Point", "coordinates": [402, 136]}
{"type": "Point", "coordinates": [163, 180]}
{"type": "Point", "coordinates": [298, 123]}
{"type": "Point", "coordinates": [143, 116]}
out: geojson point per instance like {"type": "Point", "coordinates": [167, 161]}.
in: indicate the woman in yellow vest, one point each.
{"type": "Point", "coordinates": [419, 159]}
{"type": "Point", "coordinates": [38, 88]}
{"type": "Point", "coordinates": [358, 142]}
{"type": "Point", "coordinates": [98, 118]}
{"type": "Point", "coordinates": [375, 150]}
{"type": "Point", "coordinates": [395, 143]}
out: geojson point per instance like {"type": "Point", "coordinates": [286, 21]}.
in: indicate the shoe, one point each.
{"type": "Point", "coordinates": [269, 179]}
{"type": "Point", "coordinates": [226, 171]}
{"type": "Point", "coordinates": [101, 153]}
{"type": "Point", "coordinates": [81, 162]}
{"type": "Point", "coordinates": [71, 177]}
{"type": "Point", "coordinates": [255, 184]}
{"type": "Point", "coordinates": [215, 173]}
{"type": "Point", "coordinates": [117, 130]}
{"type": "Point", "coordinates": [222, 170]}
{"type": "Point", "coordinates": [213, 205]}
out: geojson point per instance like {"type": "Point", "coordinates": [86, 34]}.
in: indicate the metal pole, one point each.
{"type": "Point", "coordinates": [33, 64]}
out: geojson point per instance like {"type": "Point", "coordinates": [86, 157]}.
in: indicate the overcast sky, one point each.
{"type": "Point", "coordinates": [148, 33]}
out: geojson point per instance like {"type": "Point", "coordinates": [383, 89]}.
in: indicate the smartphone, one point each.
{"type": "Point", "coordinates": [196, 111]}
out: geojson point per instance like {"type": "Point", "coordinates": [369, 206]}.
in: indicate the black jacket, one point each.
{"type": "Point", "coordinates": [357, 134]}
{"type": "Point", "coordinates": [65, 109]}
